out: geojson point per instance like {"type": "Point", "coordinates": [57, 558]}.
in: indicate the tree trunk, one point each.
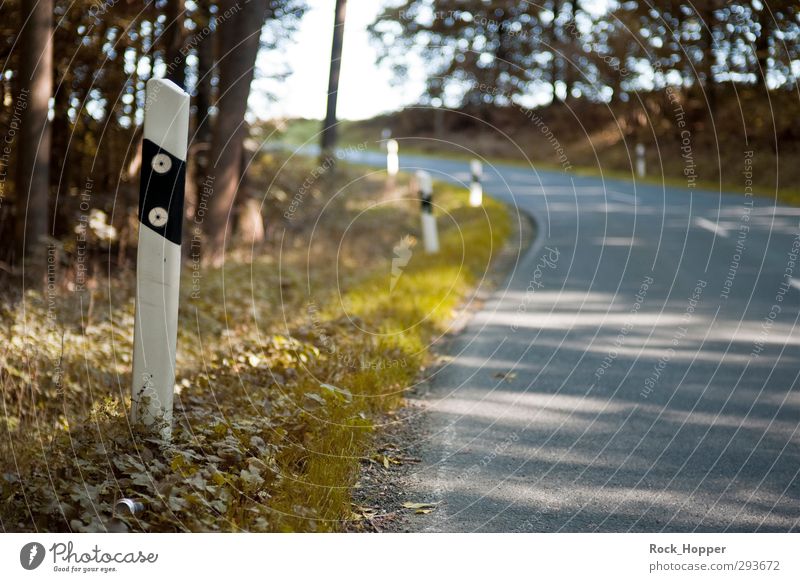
{"type": "Point", "coordinates": [238, 44]}
{"type": "Point", "coordinates": [59, 154]}
{"type": "Point", "coordinates": [200, 133]}
{"type": "Point", "coordinates": [762, 47]}
{"type": "Point", "coordinates": [174, 38]}
{"type": "Point", "coordinates": [205, 63]}
{"type": "Point", "coordinates": [33, 178]}
{"type": "Point", "coordinates": [709, 56]}
{"type": "Point", "coordinates": [570, 48]}
{"type": "Point", "coordinates": [329, 128]}
{"type": "Point", "coordinates": [201, 139]}
{"type": "Point", "coordinates": [553, 41]}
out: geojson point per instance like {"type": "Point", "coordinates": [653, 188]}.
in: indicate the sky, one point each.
{"type": "Point", "coordinates": [365, 89]}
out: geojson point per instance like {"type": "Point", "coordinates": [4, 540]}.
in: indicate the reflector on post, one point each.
{"type": "Point", "coordinates": [158, 260]}
{"type": "Point", "coordinates": [430, 234]}
{"type": "Point", "coordinates": [475, 187]}
{"type": "Point", "coordinates": [641, 168]}
{"type": "Point", "coordinates": [392, 159]}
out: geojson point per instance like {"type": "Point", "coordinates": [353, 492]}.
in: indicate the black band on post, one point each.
{"type": "Point", "coordinates": [427, 202]}
{"type": "Point", "coordinates": [161, 190]}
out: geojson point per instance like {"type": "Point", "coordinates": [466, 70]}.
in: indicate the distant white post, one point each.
{"type": "Point", "coordinates": [158, 260]}
{"type": "Point", "coordinates": [430, 235]}
{"type": "Point", "coordinates": [392, 160]}
{"type": "Point", "coordinates": [475, 187]}
{"type": "Point", "coordinates": [386, 133]}
{"type": "Point", "coordinates": [640, 162]}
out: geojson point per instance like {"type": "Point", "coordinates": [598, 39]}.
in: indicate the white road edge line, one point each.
{"type": "Point", "coordinates": [712, 226]}
{"type": "Point", "coordinates": [621, 197]}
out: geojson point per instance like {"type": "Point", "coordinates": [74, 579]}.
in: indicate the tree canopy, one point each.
{"type": "Point", "coordinates": [491, 51]}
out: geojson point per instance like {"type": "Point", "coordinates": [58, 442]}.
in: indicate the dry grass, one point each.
{"type": "Point", "coordinates": [278, 383]}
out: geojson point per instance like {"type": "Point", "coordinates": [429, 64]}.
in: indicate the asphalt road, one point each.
{"type": "Point", "coordinates": [638, 370]}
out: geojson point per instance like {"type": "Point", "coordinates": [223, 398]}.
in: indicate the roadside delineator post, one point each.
{"type": "Point", "coordinates": [475, 187]}
{"type": "Point", "coordinates": [640, 162]}
{"type": "Point", "coordinates": [158, 260]}
{"type": "Point", "coordinates": [127, 506]}
{"type": "Point", "coordinates": [430, 235]}
{"type": "Point", "coordinates": [392, 160]}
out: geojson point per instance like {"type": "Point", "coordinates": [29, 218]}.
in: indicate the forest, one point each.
{"type": "Point", "coordinates": [710, 80]}
{"type": "Point", "coordinates": [300, 333]}
{"type": "Point", "coordinates": [72, 90]}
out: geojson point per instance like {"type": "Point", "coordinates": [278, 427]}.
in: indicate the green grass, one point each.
{"type": "Point", "coordinates": [301, 131]}
{"type": "Point", "coordinates": [786, 195]}
{"type": "Point", "coordinates": [307, 131]}
{"type": "Point", "coordinates": [401, 321]}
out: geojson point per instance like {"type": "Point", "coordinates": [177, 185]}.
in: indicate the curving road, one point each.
{"type": "Point", "coordinates": [638, 370]}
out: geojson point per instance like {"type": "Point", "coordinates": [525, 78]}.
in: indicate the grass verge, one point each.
{"type": "Point", "coordinates": [783, 195]}
{"type": "Point", "coordinates": [603, 153]}
{"type": "Point", "coordinates": [286, 360]}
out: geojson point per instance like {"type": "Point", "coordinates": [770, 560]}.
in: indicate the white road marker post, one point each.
{"type": "Point", "coordinates": [430, 235]}
{"type": "Point", "coordinates": [475, 187]}
{"type": "Point", "coordinates": [392, 159]}
{"type": "Point", "coordinates": [640, 162]}
{"type": "Point", "coordinates": [158, 259]}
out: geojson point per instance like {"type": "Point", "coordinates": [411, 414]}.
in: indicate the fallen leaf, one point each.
{"type": "Point", "coordinates": [386, 460]}
{"type": "Point", "coordinates": [314, 400]}
{"type": "Point", "coordinates": [415, 505]}
{"type": "Point", "coordinates": [362, 512]}
{"type": "Point", "coordinates": [507, 376]}
{"type": "Point", "coordinates": [342, 393]}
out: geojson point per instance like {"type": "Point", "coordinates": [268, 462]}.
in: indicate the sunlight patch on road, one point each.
{"type": "Point", "coordinates": [622, 197]}
{"type": "Point", "coordinates": [575, 320]}
{"type": "Point", "coordinates": [492, 364]}
{"type": "Point", "coordinates": [711, 227]}
{"type": "Point", "coordinates": [533, 410]}
{"type": "Point", "coordinates": [617, 241]}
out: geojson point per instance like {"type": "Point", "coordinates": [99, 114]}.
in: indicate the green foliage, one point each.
{"type": "Point", "coordinates": [481, 52]}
